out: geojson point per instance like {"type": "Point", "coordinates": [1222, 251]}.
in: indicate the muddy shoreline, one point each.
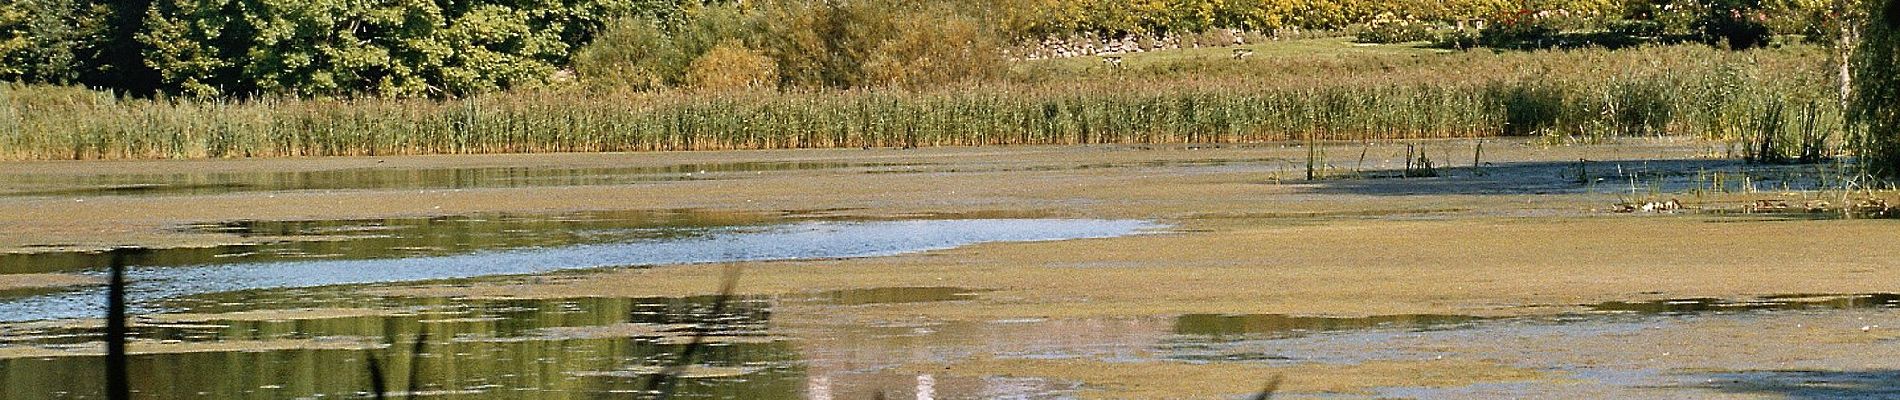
{"type": "Point", "coordinates": [1532, 233]}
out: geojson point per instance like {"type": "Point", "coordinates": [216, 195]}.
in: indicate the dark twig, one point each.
{"type": "Point", "coordinates": [415, 364]}
{"type": "Point", "coordinates": [118, 382]}
{"type": "Point", "coordinates": [1266, 393]}
{"type": "Point", "coordinates": [663, 384]}
{"type": "Point", "coordinates": [377, 385]}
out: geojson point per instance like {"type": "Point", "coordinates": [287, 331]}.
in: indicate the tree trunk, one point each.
{"type": "Point", "coordinates": [1849, 38]}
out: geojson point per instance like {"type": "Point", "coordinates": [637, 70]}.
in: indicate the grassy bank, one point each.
{"type": "Point", "coordinates": [1326, 88]}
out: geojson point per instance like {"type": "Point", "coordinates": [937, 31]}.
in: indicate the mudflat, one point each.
{"type": "Point", "coordinates": [1525, 236]}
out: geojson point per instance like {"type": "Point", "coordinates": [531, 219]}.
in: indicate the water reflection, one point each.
{"type": "Point", "coordinates": [803, 240]}
{"type": "Point", "coordinates": [474, 350]}
{"type": "Point", "coordinates": [1778, 302]}
{"type": "Point", "coordinates": [893, 295]}
{"type": "Point", "coordinates": [1281, 325]}
{"type": "Point", "coordinates": [374, 238]}
{"type": "Point", "coordinates": [205, 183]}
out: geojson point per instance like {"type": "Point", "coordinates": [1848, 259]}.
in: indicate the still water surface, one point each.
{"type": "Point", "coordinates": [384, 255]}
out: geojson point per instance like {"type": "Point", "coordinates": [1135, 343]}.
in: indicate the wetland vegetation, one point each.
{"type": "Point", "coordinates": [999, 199]}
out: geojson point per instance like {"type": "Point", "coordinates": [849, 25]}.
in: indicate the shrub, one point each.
{"type": "Point", "coordinates": [932, 49]}
{"type": "Point", "coordinates": [809, 43]}
{"type": "Point", "coordinates": [1740, 24]}
{"type": "Point", "coordinates": [731, 66]}
{"type": "Point", "coordinates": [1520, 30]}
{"type": "Point", "coordinates": [643, 53]}
{"type": "Point", "coordinates": [1636, 28]}
{"type": "Point", "coordinates": [1457, 39]}
{"type": "Point", "coordinates": [1386, 30]}
{"type": "Point", "coordinates": [628, 54]}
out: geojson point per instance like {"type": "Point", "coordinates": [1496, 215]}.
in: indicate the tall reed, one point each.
{"type": "Point", "coordinates": [1594, 93]}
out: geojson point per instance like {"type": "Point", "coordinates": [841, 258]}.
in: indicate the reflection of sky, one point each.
{"type": "Point", "coordinates": [792, 241]}
{"type": "Point", "coordinates": [854, 361]}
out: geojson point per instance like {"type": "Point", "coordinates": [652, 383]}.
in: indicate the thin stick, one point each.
{"type": "Point", "coordinates": [415, 364]}
{"type": "Point", "coordinates": [118, 382]}
{"type": "Point", "coordinates": [662, 385]}
{"type": "Point", "coordinates": [377, 385]}
{"type": "Point", "coordinates": [1273, 385]}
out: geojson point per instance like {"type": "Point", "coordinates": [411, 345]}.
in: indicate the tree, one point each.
{"type": "Point", "coordinates": [44, 41]}
{"type": "Point", "coordinates": [1874, 103]}
{"type": "Point", "coordinates": [392, 48]}
{"type": "Point", "coordinates": [1740, 24]}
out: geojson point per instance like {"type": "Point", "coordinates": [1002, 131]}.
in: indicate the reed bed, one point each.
{"type": "Point", "coordinates": [1561, 94]}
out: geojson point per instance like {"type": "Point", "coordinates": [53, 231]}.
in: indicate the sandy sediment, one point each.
{"type": "Point", "coordinates": [10, 282]}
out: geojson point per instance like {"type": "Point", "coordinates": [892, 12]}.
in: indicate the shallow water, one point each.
{"type": "Point", "coordinates": [1777, 302]}
{"type": "Point", "coordinates": [1278, 325]}
{"type": "Point", "coordinates": [602, 347]}
{"type": "Point", "coordinates": [506, 349]}
{"type": "Point", "coordinates": [356, 239]}
{"type": "Point", "coordinates": [205, 183]}
{"type": "Point", "coordinates": [799, 240]}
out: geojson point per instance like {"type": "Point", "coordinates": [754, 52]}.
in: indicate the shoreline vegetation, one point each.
{"type": "Point", "coordinates": [1394, 92]}
{"type": "Point", "coordinates": [624, 75]}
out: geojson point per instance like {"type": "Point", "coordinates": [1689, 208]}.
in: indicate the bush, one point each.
{"type": "Point", "coordinates": [732, 66]}
{"type": "Point", "coordinates": [1392, 31]}
{"type": "Point", "coordinates": [1457, 39]}
{"type": "Point", "coordinates": [823, 43]}
{"type": "Point", "coordinates": [644, 53]}
{"type": "Point", "coordinates": [1740, 24]}
{"type": "Point", "coordinates": [805, 43]}
{"type": "Point", "coordinates": [1521, 30]}
{"type": "Point", "coordinates": [628, 54]}
{"type": "Point", "coordinates": [1636, 28]}
{"type": "Point", "coordinates": [933, 49]}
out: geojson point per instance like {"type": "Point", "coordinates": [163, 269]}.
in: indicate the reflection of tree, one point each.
{"type": "Point", "coordinates": [487, 349]}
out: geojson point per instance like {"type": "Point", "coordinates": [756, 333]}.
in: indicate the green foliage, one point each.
{"type": "Point", "coordinates": [1641, 107]}
{"type": "Point", "coordinates": [14, 40]}
{"type": "Point", "coordinates": [1738, 24]}
{"type": "Point", "coordinates": [45, 40]}
{"type": "Point", "coordinates": [1458, 39]}
{"type": "Point", "coordinates": [811, 43]}
{"type": "Point", "coordinates": [302, 47]}
{"type": "Point", "coordinates": [1529, 108]}
{"type": "Point", "coordinates": [630, 53]}
{"type": "Point", "coordinates": [731, 66]}
{"type": "Point", "coordinates": [1119, 17]}
{"type": "Point", "coordinates": [822, 43]}
{"type": "Point", "coordinates": [1875, 105]}
{"type": "Point", "coordinates": [1345, 93]}
{"type": "Point", "coordinates": [401, 48]}
{"type": "Point", "coordinates": [434, 48]}
{"type": "Point", "coordinates": [934, 49]}
{"type": "Point", "coordinates": [1388, 30]}
{"type": "Point", "coordinates": [1520, 30]}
